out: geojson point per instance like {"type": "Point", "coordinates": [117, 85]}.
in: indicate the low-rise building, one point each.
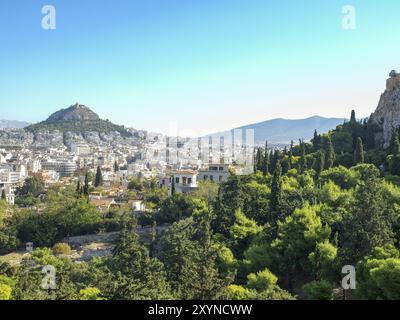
{"type": "Point", "coordinates": [138, 205]}
{"type": "Point", "coordinates": [9, 193]}
{"type": "Point", "coordinates": [64, 168]}
{"type": "Point", "coordinates": [184, 181]}
{"type": "Point", "coordinates": [214, 172]}
{"type": "Point", "coordinates": [80, 149]}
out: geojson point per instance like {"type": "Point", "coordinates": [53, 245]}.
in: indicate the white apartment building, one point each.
{"type": "Point", "coordinates": [63, 168]}
{"type": "Point", "coordinates": [10, 196]}
{"type": "Point", "coordinates": [34, 165]}
{"type": "Point", "coordinates": [185, 181]}
{"type": "Point", "coordinates": [11, 177]}
{"type": "Point", "coordinates": [80, 149]}
{"type": "Point", "coordinates": [214, 172]}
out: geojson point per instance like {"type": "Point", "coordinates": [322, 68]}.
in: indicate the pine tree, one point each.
{"type": "Point", "coordinates": [359, 152]}
{"type": "Point", "coordinates": [206, 282]}
{"type": "Point", "coordinates": [265, 164]}
{"type": "Point", "coordinates": [275, 203]}
{"type": "Point", "coordinates": [369, 225]}
{"type": "Point", "coordinates": [99, 178]}
{"type": "Point", "coordinates": [137, 275]}
{"type": "Point", "coordinates": [190, 259]}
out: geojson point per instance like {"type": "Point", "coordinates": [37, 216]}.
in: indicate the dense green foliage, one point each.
{"type": "Point", "coordinates": [102, 126]}
{"type": "Point", "coordinates": [283, 232]}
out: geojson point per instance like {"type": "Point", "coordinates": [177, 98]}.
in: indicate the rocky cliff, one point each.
{"type": "Point", "coordinates": [76, 112]}
{"type": "Point", "coordinates": [387, 114]}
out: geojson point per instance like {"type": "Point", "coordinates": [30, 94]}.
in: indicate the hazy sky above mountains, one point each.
{"type": "Point", "coordinates": [205, 65]}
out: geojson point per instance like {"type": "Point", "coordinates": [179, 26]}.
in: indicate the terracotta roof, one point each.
{"type": "Point", "coordinates": [101, 202]}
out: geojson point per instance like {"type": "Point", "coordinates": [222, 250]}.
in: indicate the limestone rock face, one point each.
{"type": "Point", "coordinates": [387, 114]}
{"type": "Point", "coordinates": [77, 112]}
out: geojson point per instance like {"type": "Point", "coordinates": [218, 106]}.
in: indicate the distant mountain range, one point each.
{"type": "Point", "coordinates": [282, 131]}
{"type": "Point", "coordinates": [77, 119]}
{"type": "Point", "coordinates": [13, 124]}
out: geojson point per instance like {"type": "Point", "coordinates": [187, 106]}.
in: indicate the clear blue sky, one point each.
{"type": "Point", "coordinates": [205, 65]}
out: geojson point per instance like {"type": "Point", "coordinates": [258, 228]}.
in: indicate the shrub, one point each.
{"type": "Point", "coordinates": [61, 249]}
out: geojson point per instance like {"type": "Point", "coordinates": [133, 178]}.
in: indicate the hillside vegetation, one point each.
{"type": "Point", "coordinates": [282, 233]}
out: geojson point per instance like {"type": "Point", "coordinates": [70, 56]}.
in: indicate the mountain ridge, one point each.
{"type": "Point", "coordinates": [282, 131]}
{"type": "Point", "coordinates": [13, 124]}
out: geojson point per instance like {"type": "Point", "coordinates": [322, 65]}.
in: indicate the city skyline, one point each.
{"type": "Point", "coordinates": [206, 67]}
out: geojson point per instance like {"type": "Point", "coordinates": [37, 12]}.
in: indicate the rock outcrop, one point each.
{"type": "Point", "coordinates": [387, 114]}
{"type": "Point", "coordinates": [76, 112]}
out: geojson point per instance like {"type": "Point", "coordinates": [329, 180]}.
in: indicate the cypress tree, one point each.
{"type": "Point", "coordinates": [274, 161]}
{"type": "Point", "coordinates": [116, 167]}
{"type": "Point", "coordinates": [86, 186]}
{"type": "Point", "coordinates": [173, 186]}
{"type": "Point", "coordinates": [330, 155]}
{"type": "Point", "coordinates": [290, 156]}
{"type": "Point", "coordinates": [99, 178]}
{"type": "Point", "coordinates": [353, 117]}
{"type": "Point", "coordinates": [259, 160]}
{"type": "Point", "coordinates": [320, 165]}
{"type": "Point", "coordinates": [254, 160]}
{"type": "Point", "coordinates": [3, 194]}
{"type": "Point", "coordinates": [265, 165]}
{"type": "Point", "coordinates": [78, 188]}
{"type": "Point", "coordinates": [316, 141]}
{"type": "Point", "coordinates": [359, 152]}
{"type": "Point", "coordinates": [370, 134]}
{"type": "Point", "coordinates": [275, 203]}
{"type": "Point", "coordinates": [153, 240]}
{"type": "Point", "coordinates": [303, 161]}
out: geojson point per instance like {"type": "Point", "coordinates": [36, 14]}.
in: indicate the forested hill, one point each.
{"type": "Point", "coordinates": [77, 119]}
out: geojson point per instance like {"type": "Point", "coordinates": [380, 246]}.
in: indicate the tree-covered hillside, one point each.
{"type": "Point", "coordinates": [283, 232]}
{"type": "Point", "coordinates": [81, 126]}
